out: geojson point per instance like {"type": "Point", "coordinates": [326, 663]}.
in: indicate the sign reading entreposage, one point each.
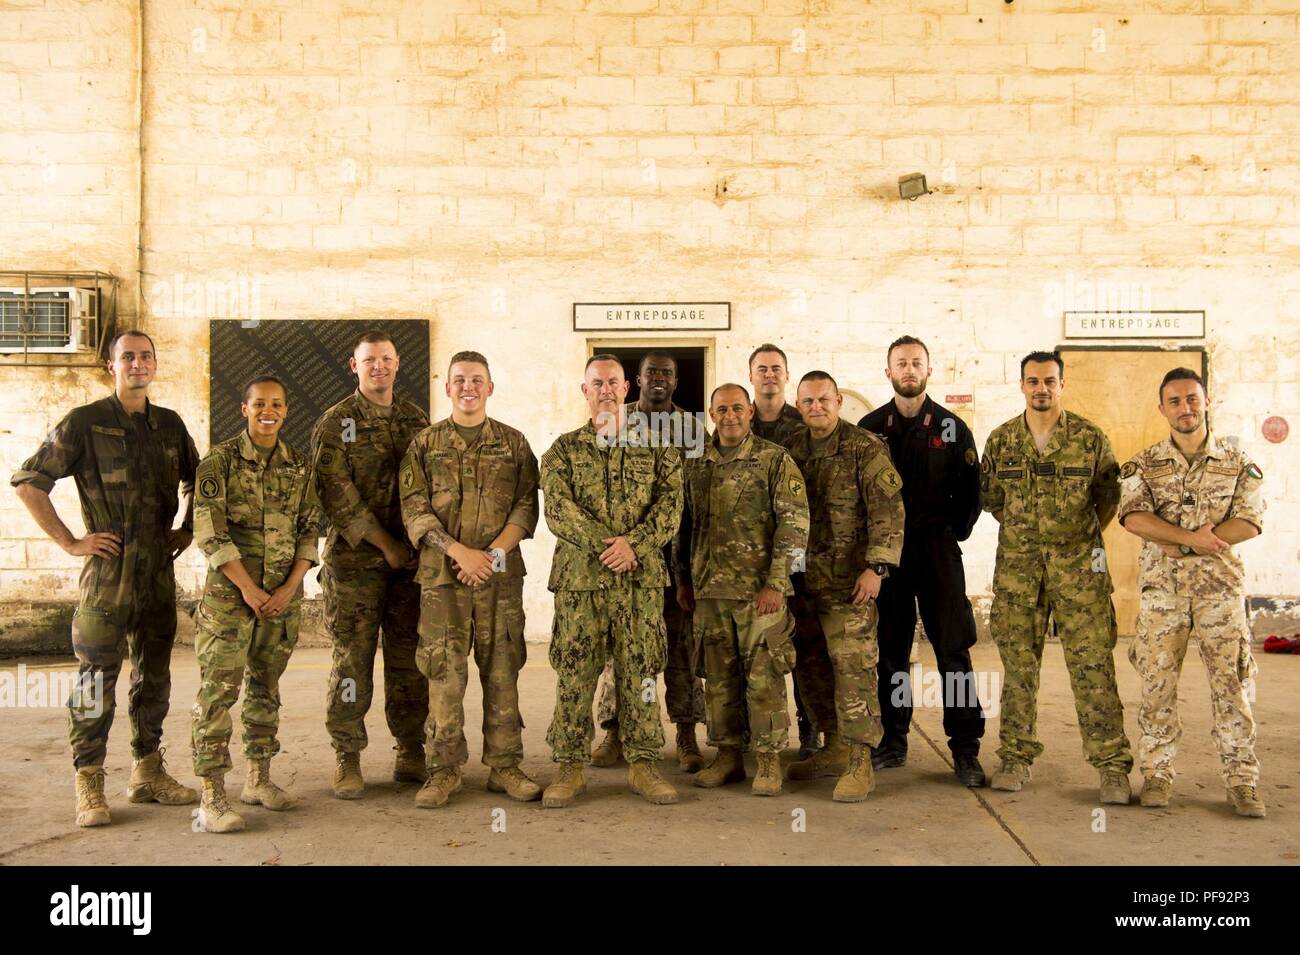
{"type": "Point", "coordinates": [1136, 324]}
{"type": "Point", "coordinates": [651, 316]}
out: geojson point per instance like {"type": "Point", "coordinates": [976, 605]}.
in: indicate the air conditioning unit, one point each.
{"type": "Point", "coordinates": [54, 319]}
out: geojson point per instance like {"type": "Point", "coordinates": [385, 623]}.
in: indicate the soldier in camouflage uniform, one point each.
{"type": "Point", "coordinates": [612, 506]}
{"type": "Point", "coordinates": [1190, 498]}
{"type": "Point", "coordinates": [683, 691]}
{"type": "Point", "coordinates": [368, 578]}
{"type": "Point", "coordinates": [1050, 479]}
{"type": "Point", "coordinates": [744, 523]}
{"type": "Point", "coordinates": [127, 457]}
{"type": "Point", "coordinates": [856, 512]}
{"type": "Point", "coordinates": [257, 521]}
{"type": "Point", "coordinates": [778, 421]}
{"type": "Point", "coordinates": [469, 497]}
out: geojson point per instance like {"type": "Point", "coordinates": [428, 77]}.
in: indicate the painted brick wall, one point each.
{"type": "Point", "coordinates": [486, 164]}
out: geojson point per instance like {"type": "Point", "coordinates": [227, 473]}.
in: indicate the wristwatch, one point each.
{"type": "Point", "coordinates": [1184, 550]}
{"type": "Point", "coordinates": [880, 570]}
{"type": "Point", "coordinates": [498, 560]}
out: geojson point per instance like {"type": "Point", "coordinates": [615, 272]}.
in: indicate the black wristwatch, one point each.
{"type": "Point", "coordinates": [880, 570]}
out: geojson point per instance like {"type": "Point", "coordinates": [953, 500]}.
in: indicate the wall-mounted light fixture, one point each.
{"type": "Point", "coordinates": [912, 186]}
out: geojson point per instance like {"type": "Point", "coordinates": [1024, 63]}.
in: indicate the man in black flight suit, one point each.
{"type": "Point", "coordinates": [935, 454]}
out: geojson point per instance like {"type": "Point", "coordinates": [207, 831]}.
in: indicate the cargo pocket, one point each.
{"type": "Point", "coordinates": [431, 654]}
{"type": "Point", "coordinates": [515, 634]}
{"type": "Point", "coordinates": [97, 638]}
{"type": "Point", "coordinates": [780, 643]}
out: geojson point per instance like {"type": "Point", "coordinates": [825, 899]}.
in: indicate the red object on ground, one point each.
{"type": "Point", "coordinates": [1276, 644]}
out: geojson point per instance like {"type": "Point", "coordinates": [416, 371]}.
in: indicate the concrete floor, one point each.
{"type": "Point", "coordinates": [918, 814]}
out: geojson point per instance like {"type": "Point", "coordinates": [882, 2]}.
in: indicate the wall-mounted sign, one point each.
{"type": "Point", "coordinates": [651, 316]}
{"type": "Point", "coordinates": [1171, 323]}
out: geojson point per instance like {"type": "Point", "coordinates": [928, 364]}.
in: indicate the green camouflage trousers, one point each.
{"type": "Point", "coordinates": [850, 642]}
{"type": "Point", "coordinates": [683, 691]}
{"type": "Point", "coordinates": [814, 677]}
{"type": "Point", "coordinates": [1165, 621]}
{"type": "Point", "coordinates": [1078, 602]}
{"type": "Point", "coordinates": [746, 658]}
{"type": "Point", "coordinates": [626, 622]}
{"type": "Point", "coordinates": [490, 619]}
{"type": "Point", "coordinates": [233, 646]}
{"type": "Point", "coordinates": [103, 635]}
{"type": "Point", "coordinates": [359, 603]}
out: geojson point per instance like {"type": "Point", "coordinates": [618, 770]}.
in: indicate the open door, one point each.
{"type": "Point", "coordinates": [1117, 389]}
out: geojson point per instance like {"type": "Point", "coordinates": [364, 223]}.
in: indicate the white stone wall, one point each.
{"type": "Point", "coordinates": [486, 163]}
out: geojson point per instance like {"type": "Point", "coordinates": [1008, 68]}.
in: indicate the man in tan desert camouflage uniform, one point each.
{"type": "Point", "coordinates": [1190, 498]}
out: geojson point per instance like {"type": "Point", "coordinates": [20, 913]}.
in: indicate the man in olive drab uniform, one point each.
{"type": "Point", "coordinates": [683, 692]}
{"type": "Point", "coordinates": [1050, 479]}
{"type": "Point", "coordinates": [856, 515]}
{"type": "Point", "coordinates": [368, 578]}
{"type": "Point", "coordinates": [935, 455]}
{"type": "Point", "coordinates": [1190, 498]}
{"type": "Point", "coordinates": [612, 505]}
{"type": "Point", "coordinates": [257, 520]}
{"type": "Point", "coordinates": [469, 497]}
{"type": "Point", "coordinates": [744, 521]}
{"type": "Point", "coordinates": [127, 457]}
{"type": "Point", "coordinates": [778, 421]}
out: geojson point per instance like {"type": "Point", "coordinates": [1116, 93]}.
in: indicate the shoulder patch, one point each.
{"type": "Point", "coordinates": [986, 465]}
{"type": "Point", "coordinates": [208, 487]}
{"type": "Point", "coordinates": [1128, 470]}
{"type": "Point", "coordinates": [1253, 470]}
{"type": "Point", "coordinates": [326, 458]}
{"type": "Point", "coordinates": [796, 486]}
{"type": "Point", "coordinates": [971, 457]}
{"type": "Point", "coordinates": [888, 480]}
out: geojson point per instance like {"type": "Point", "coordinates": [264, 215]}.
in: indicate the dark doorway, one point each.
{"type": "Point", "coordinates": [690, 373]}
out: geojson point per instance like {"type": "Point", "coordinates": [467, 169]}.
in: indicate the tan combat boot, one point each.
{"type": "Point", "coordinates": [348, 783]}
{"type": "Point", "coordinates": [515, 783]}
{"type": "Point", "coordinates": [1115, 788]}
{"type": "Point", "coordinates": [1011, 776]}
{"type": "Point", "coordinates": [409, 766]}
{"type": "Point", "coordinates": [609, 750]}
{"type": "Point", "coordinates": [643, 776]}
{"type": "Point", "coordinates": [727, 767]}
{"type": "Point", "coordinates": [92, 808]}
{"type": "Point", "coordinates": [689, 759]}
{"type": "Point", "coordinates": [859, 778]}
{"type": "Point", "coordinates": [567, 786]}
{"type": "Point", "coordinates": [767, 781]}
{"type": "Point", "coordinates": [215, 814]}
{"type": "Point", "coordinates": [441, 784]}
{"type": "Point", "coordinates": [1246, 802]}
{"type": "Point", "coordinates": [150, 783]}
{"type": "Point", "coordinates": [831, 760]}
{"type": "Point", "coordinates": [1156, 791]}
{"type": "Point", "coordinates": [260, 791]}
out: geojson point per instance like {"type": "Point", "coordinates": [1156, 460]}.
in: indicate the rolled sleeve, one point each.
{"type": "Point", "coordinates": [1134, 492]}
{"type": "Point", "coordinates": [58, 456]}
{"type": "Point", "coordinates": [1248, 497]}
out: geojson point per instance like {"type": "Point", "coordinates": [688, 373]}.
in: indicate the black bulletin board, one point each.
{"type": "Point", "coordinates": [311, 358]}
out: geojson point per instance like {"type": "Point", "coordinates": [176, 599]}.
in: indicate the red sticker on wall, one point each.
{"type": "Point", "coordinates": [1275, 429]}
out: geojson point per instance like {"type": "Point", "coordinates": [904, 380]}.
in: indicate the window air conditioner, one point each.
{"type": "Point", "coordinates": [55, 319]}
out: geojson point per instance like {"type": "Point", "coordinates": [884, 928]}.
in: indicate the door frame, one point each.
{"type": "Point", "coordinates": [598, 343]}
